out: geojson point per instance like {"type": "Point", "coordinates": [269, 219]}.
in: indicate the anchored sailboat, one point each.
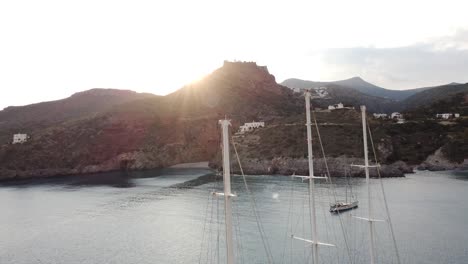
{"type": "Point", "coordinates": [341, 206]}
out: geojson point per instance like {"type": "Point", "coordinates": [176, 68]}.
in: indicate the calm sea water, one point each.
{"type": "Point", "coordinates": [169, 216]}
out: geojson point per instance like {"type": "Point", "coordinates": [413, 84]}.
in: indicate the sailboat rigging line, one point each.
{"type": "Point", "coordinates": [384, 198]}
{"type": "Point", "coordinates": [240, 246]}
{"type": "Point", "coordinates": [209, 201]}
{"type": "Point", "coordinates": [254, 207]}
{"type": "Point", "coordinates": [219, 228]}
{"type": "Point", "coordinates": [328, 225]}
{"type": "Point", "coordinates": [236, 230]}
{"type": "Point", "coordinates": [309, 256]}
{"type": "Point", "coordinates": [331, 185]}
{"type": "Point", "coordinates": [204, 228]}
{"type": "Point", "coordinates": [216, 254]}
{"type": "Point", "coordinates": [209, 253]}
{"type": "Point", "coordinates": [306, 259]}
{"type": "Point", "coordinates": [287, 223]}
{"type": "Point", "coordinates": [215, 188]}
{"type": "Point", "coordinates": [376, 238]}
{"type": "Point", "coordinates": [311, 217]}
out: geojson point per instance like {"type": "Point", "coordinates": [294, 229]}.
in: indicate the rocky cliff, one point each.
{"type": "Point", "coordinates": [439, 161]}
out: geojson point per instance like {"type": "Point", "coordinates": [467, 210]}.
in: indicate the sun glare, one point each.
{"type": "Point", "coordinates": [178, 73]}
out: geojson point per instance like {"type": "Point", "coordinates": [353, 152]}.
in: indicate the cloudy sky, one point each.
{"type": "Point", "coordinates": [51, 49]}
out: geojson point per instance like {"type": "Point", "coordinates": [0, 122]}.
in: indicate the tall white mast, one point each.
{"type": "Point", "coordinates": [311, 178]}
{"type": "Point", "coordinates": [227, 191]}
{"type": "Point", "coordinates": [366, 168]}
{"type": "Point", "coordinates": [311, 181]}
{"type": "Point", "coordinates": [369, 199]}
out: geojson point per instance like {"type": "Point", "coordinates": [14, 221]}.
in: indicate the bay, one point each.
{"type": "Point", "coordinates": [170, 216]}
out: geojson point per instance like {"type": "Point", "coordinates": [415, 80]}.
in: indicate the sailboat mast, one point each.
{"type": "Point", "coordinates": [311, 181]}
{"type": "Point", "coordinates": [346, 190]}
{"type": "Point", "coordinates": [366, 168]}
{"type": "Point", "coordinates": [227, 191]}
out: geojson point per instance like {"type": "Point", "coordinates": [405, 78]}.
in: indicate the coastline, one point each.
{"type": "Point", "coordinates": [338, 167]}
{"type": "Point", "coordinates": [192, 165]}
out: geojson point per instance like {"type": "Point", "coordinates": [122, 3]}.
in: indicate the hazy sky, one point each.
{"type": "Point", "coordinates": [51, 49]}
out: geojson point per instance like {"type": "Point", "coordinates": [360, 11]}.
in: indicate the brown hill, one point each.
{"type": "Point", "coordinates": [34, 117]}
{"type": "Point", "coordinates": [153, 131]}
{"type": "Point", "coordinates": [238, 89]}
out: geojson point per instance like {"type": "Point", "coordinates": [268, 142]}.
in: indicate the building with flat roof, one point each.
{"type": "Point", "coordinates": [250, 126]}
{"type": "Point", "coordinates": [20, 138]}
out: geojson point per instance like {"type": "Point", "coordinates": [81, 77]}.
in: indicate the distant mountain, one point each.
{"type": "Point", "coordinates": [352, 97]}
{"type": "Point", "coordinates": [437, 94]}
{"type": "Point", "coordinates": [358, 84]}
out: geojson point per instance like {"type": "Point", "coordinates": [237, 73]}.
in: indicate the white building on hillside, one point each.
{"type": "Point", "coordinates": [444, 115]}
{"type": "Point", "coordinates": [296, 90]}
{"type": "Point", "coordinates": [20, 138]}
{"type": "Point", "coordinates": [250, 126]}
{"type": "Point", "coordinates": [380, 115]}
{"type": "Point", "coordinates": [321, 92]}
{"type": "Point", "coordinates": [448, 115]}
{"type": "Point", "coordinates": [396, 115]}
{"type": "Point", "coordinates": [336, 106]}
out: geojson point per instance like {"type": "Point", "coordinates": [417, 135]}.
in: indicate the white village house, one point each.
{"type": "Point", "coordinates": [444, 116]}
{"type": "Point", "coordinates": [336, 106]}
{"type": "Point", "coordinates": [447, 115]}
{"type": "Point", "coordinates": [381, 115]}
{"type": "Point", "coordinates": [396, 115]}
{"type": "Point", "coordinates": [296, 90]}
{"type": "Point", "coordinates": [250, 126]}
{"type": "Point", "coordinates": [321, 92]}
{"type": "Point", "coordinates": [20, 138]}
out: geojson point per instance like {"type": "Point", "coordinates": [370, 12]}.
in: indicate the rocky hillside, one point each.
{"type": "Point", "coordinates": [281, 148]}
{"type": "Point", "coordinates": [455, 100]}
{"type": "Point", "coordinates": [356, 91]}
{"type": "Point", "coordinates": [38, 116]}
{"type": "Point", "coordinates": [145, 132]}
{"type": "Point", "coordinates": [350, 97]}
{"type": "Point", "coordinates": [154, 131]}
{"type": "Point", "coordinates": [336, 92]}
{"type": "Point", "coordinates": [436, 94]}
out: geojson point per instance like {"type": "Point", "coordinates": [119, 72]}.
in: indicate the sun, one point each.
{"type": "Point", "coordinates": [175, 76]}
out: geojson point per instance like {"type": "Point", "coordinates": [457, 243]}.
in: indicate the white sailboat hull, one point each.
{"type": "Point", "coordinates": [342, 206]}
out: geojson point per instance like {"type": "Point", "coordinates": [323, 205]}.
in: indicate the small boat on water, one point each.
{"type": "Point", "coordinates": [343, 206]}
